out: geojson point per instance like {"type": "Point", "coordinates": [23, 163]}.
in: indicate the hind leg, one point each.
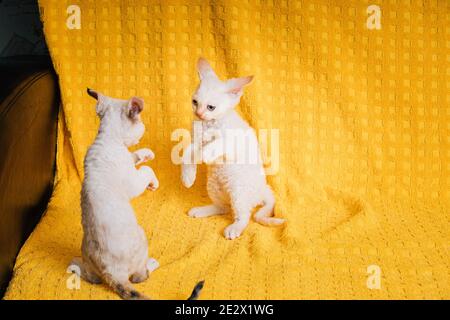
{"type": "Point", "coordinates": [84, 271]}
{"type": "Point", "coordinates": [220, 201]}
{"type": "Point", "coordinates": [207, 211]}
{"type": "Point", "coordinates": [143, 274]}
{"type": "Point", "coordinates": [117, 278]}
{"type": "Point", "coordinates": [241, 212]}
{"type": "Point", "coordinates": [140, 276]}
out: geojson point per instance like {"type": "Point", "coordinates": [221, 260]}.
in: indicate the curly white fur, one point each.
{"type": "Point", "coordinates": [233, 185]}
{"type": "Point", "coordinates": [114, 247]}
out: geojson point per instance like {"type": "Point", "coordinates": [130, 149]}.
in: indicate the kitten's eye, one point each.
{"type": "Point", "coordinates": [194, 102]}
{"type": "Point", "coordinates": [210, 107]}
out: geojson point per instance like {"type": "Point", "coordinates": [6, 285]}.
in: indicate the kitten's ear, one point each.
{"type": "Point", "coordinates": [135, 107]}
{"type": "Point", "coordinates": [204, 69]}
{"type": "Point", "coordinates": [92, 93]}
{"type": "Point", "coordinates": [236, 85]}
{"type": "Point", "coordinates": [100, 107]}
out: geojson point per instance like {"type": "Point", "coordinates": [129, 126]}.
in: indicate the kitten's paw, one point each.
{"type": "Point", "coordinates": [149, 177]}
{"type": "Point", "coordinates": [188, 173]}
{"type": "Point", "coordinates": [197, 212]}
{"type": "Point", "coordinates": [233, 231]}
{"type": "Point", "coordinates": [154, 184]}
{"type": "Point", "coordinates": [75, 266]}
{"type": "Point", "coordinates": [152, 265]}
{"type": "Point", "coordinates": [143, 155]}
{"type": "Point", "coordinates": [139, 277]}
{"type": "Point", "coordinates": [207, 211]}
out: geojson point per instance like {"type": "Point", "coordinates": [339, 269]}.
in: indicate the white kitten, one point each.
{"type": "Point", "coordinates": [232, 185]}
{"type": "Point", "coordinates": [114, 247]}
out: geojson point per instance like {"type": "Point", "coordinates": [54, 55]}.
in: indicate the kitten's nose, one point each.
{"type": "Point", "coordinates": [200, 115]}
{"type": "Point", "coordinates": [200, 112]}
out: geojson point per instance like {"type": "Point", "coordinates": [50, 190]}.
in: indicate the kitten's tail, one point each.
{"type": "Point", "coordinates": [197, 289]}
{"type": "Point", "coordinates": [124, 289]}
{"type": "Point", "coordinates": [127, 292]}
{"type": "Point", "coordinates": [265, 213]}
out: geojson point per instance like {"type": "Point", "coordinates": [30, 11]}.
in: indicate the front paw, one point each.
{"type": "Point", "coordinates": [196, 212]}
{"type": "Point", "coordinates": [154, 184]}
{"type": "Point", "coordinates": [150, 179]}
{"type": "Point", "coordinates": [188, 173]}
{"type": "Point", "coordinates": [143, 155]}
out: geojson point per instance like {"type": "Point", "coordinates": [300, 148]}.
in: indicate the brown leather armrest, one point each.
{"type": "Point", "coordinates": [28, 122]}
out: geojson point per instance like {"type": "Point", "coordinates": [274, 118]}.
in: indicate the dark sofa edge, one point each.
{"type": "Point", "coordinates": [28, 124]}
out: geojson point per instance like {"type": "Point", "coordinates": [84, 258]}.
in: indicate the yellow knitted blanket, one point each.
{"type": "Point", "coordinates": [360, 96]}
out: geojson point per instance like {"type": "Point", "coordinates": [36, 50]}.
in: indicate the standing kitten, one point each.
{"type": "Point", "coordinates": [114, 247]}
{"type": "Point", "coordinates": [232, 185]}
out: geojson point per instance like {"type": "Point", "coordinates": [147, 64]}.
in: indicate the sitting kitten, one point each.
{"type": "Point", "coordinates": [232, 186]}
{"type": "Point", "coordinates": [114, 247]}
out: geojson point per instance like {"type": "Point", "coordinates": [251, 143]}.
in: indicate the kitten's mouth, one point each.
{"type": "Point", "coordinates": [200, 117]}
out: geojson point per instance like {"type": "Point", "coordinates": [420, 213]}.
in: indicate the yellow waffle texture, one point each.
{"type": "Point", "coordinates": [363, 116]}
